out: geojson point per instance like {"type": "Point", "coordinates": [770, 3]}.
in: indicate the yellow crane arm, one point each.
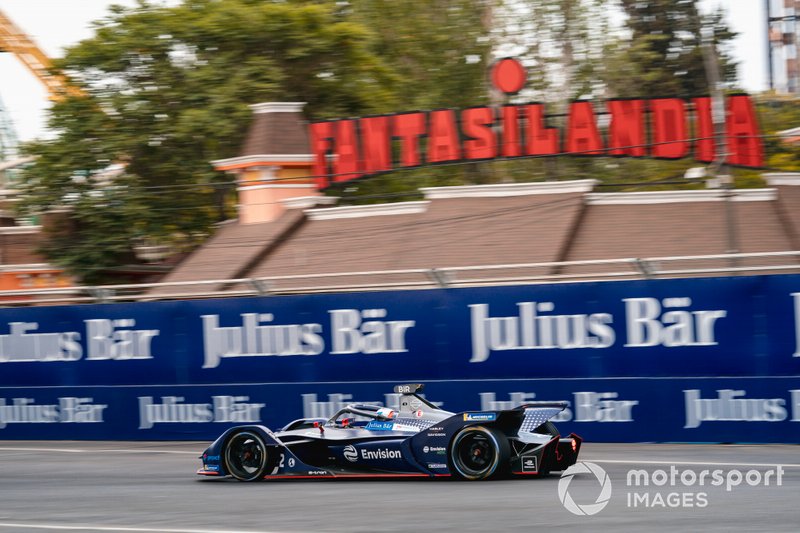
{"type": "Point", "coordinates": [15, 41]}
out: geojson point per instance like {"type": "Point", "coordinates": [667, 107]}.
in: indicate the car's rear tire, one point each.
{"type": "Point", "coordinates": [548, 428]}
{"type": "Point", "coordinates": [478, 452]}
{"type": "Point", "coordinates": [247, 457]}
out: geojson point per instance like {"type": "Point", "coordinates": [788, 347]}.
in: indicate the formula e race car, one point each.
{"type": "Point", "coordinates": [418, 439]}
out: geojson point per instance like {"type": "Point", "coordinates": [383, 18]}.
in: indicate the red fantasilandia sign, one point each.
{"type": "Point", "coordinates": [666, 128]}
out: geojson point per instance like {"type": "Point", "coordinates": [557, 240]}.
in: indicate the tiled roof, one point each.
{"type": "Point", "coordinates": [276, 132]}
{"type": "Point", "coordinates": [681, 228]}
{"type": "Point", "coordinates": [18, 245]}
{"type": "Point", "coordinates": [450, 232]}
{"type": "Point", "coordinates": [230, 253]}
{"type": "Point", "coordinates": [788, 203]}
{"type": "Point", "coordinates": [474, 226]}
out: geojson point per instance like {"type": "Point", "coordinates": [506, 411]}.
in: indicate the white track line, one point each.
{"type": "Point", "coordinates": [54, 450]}
{"type": "Point", "coordinates": [198, 452]}
{"type": "Point", "coordinates": [96, 450]}
{"type": "Point", "coordinates": [85, 527]}
{"type": "Point", "coordinates": [696, 463]}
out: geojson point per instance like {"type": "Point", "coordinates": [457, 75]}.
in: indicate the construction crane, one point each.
{"type": "Point", "coordinates": [8, 136]}
{"type": "Point", "coordinates": [15, 41]}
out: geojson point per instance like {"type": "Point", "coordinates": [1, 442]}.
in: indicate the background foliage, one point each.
{"type": "Point", "coordinates": [167, 90]}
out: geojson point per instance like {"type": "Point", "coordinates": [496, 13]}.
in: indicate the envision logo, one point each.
{"type": "Point", "coordinates": [380, 453]}
{"type": "Point", "coordinates": [585, 509]}
{"type": "Point", "coordinates": [350, 453]}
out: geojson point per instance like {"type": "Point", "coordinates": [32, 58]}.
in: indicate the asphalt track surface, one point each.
{"type": "Point", "coordinates": [151, 487]}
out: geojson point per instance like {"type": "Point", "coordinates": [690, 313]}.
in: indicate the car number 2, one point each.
{"type": "Point", "coordinates": [290, 462]}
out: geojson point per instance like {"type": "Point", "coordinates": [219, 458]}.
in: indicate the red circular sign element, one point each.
{"type": "Point", "coordinates": [508, 75]}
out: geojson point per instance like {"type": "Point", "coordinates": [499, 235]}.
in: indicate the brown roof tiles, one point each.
{"type": "Point", "coordinates": [230, 254]}
{"type": "Point", "coordinates": [18, 246]}
{"type": "Point", "coordinates": [456, 230]}
{"type": "Point", "coordinates": [282, 132]}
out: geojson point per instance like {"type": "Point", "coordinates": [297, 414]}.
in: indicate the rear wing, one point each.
{"type": "Point", "coordinates": [537, 413]}
{"type": "Point", "coordinates": [554, 405]}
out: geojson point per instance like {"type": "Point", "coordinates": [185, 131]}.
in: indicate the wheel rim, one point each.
{"type": "Point", "coordinates": [475, 454]}
{"type": "Point", "coordinates": [245, 456]}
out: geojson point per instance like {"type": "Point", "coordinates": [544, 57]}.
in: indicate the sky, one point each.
{"type": "Point", "coordinates": [54, 24]}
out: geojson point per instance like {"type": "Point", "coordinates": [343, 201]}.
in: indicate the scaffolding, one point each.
{"type": "Point", "coordinates": [8, 148]}
{"type": "Point", "coordinates": [783, 33]}
{"type": "Point", "coordinates": [15, 41]}
{"type": "Point", "coordinates": [8, 136]}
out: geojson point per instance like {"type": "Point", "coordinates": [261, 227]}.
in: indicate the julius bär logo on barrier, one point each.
{"type": "Point", "coordinates": [347, 149]}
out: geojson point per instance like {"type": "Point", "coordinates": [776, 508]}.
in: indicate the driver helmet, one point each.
{"type": "Point", "coordinates": [385, 412]}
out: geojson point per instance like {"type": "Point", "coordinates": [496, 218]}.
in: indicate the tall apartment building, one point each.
{"type": "Point", "coordinates": [783, 32]}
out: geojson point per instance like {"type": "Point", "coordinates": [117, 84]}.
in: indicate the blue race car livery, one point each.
{"type": "Point", "coordinates": [418, 439]}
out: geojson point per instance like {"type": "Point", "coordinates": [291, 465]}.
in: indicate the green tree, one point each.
{"type": "Point", "coordinates": [167, 91]}
{"type": "Point", "coordinates": [561, 43]}
{"type": "Point", "coordinates": [665, 48]}
{"type": "Point", "coordinates": [439, 49]}
{"type": "Point", "coordinates": [779, 113]}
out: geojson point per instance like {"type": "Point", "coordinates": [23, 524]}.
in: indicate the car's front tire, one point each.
{"type": "Point", "coordinates": [246, 456]}
{"type": "Point", "coordinates": [478, 452]}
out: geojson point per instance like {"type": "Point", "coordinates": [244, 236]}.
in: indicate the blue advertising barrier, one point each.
{"type": "Point", "coordinates": [694, 360]}
{"type": "Point", "coordinates": [753, 410]}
